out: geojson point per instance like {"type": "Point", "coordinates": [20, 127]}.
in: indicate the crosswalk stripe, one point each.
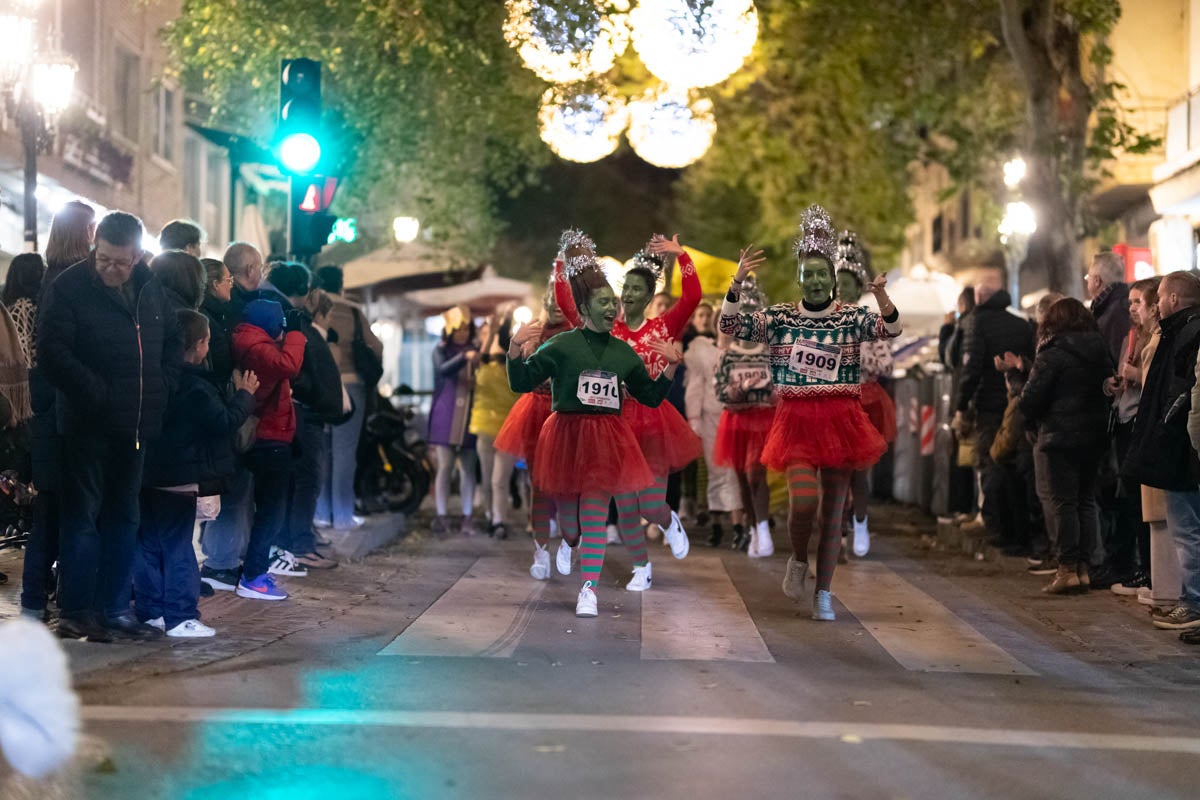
{"type": "Point", "coordinates": [483, 615]}
{"type": "Point", "coordinates": [694, 612]}
{"type": "Point", "coordinates": [915, 629]}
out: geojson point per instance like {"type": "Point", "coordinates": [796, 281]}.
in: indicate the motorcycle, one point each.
{"type": "Point", "coordinates": [394, 472]}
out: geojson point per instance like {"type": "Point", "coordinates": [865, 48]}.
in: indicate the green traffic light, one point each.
{"type": "Point", "coordinates": [300, 152]}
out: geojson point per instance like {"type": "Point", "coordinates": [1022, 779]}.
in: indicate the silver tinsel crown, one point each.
{"type": "Point", "coordinates": [850, 257]}
{"type": "Point", "coordinates": [646, 260]}
{"type": "Point", "coordinates": [574, 239]}
{"type": "Point", "coordinates": [816, 235]}
{"type": "Point", "coordinates": [751, 294]}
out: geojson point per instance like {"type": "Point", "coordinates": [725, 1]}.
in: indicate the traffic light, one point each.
{"type": "Point", "coordinates": [298, 131]}
{"type": "Point", "coordinates": [311, 221]}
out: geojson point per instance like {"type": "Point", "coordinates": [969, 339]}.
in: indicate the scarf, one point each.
{"type": "Point", "coordinates": [14, 374]}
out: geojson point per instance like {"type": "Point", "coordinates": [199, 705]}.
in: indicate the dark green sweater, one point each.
{"type": "Point", "coordinates": [563, 358]}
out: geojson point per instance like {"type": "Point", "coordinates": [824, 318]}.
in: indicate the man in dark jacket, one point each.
{"type": "Point", "coordinates": [112, 352]}
{"type": "Point", "coordinates": [317, 396]}
{"type": "Point", "coordinates": [1110, 302]}
{"type": "Point", "coordinates": [992, 331]}
{"type": "Point", "coordinates": [245, 264]}
{"type": "Point", "coordinates": [1161, 453]}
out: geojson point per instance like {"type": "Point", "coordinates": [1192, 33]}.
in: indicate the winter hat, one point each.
{"type": "Point", "coordinates": [265, 314]}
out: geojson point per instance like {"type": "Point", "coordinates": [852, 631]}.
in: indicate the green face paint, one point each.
{"type": "Point", "coordinates": [601, 311]}
{"type": "Point", "coordinates": [849, 290]}
{"type": "Point", "coordinates": [816, 280]}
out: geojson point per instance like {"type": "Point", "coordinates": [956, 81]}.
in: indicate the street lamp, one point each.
{"type": "Point", "coordinates": [37, 88]}
{"type": "Point", "coordinates": [1014, 172]}
{"type": "Point", "coordinates": [405, 229]}
{"type": "Point", "coordinates": [1019, 223]}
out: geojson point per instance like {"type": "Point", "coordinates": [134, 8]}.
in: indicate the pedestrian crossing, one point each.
{"type": "Point", "coordinates": [694, 612]}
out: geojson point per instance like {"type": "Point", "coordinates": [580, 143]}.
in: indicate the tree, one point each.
{"type": "Point", "coordinates": [435, 116]}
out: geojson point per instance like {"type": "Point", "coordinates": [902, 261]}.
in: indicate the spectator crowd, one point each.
{"type": "Point", "coordinates": [1083, 428]}
{"type": "Point", "coordinates": [152, 394]}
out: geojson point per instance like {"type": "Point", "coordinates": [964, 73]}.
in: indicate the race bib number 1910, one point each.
{"type": "Point", "coordinates": [599, 389]}
{"type": "Point", "coordinates": [815, 360]}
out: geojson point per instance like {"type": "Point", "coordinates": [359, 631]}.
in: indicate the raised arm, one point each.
{"type": "Point", "coordinates": [526, 374]}
{"type": "Point", "coordinates": [750, 327]}
{"type": "Point", "coordinates": [885, 324]}
{"type": "Point", "coordinates": [563, 295]}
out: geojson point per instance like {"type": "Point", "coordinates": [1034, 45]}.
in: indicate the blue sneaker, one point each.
{"type": "Point", "coordinates": [261, 588]}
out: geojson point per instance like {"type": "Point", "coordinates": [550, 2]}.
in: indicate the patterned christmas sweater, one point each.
{"type": "Point", "coordinates": [744, 380]}
{"type": "Point", "coordinates": [813, 353]}
{"type": "Point", "coordinates": [669, 326]}
{"type": "Point", "coordinates": [876, 358]}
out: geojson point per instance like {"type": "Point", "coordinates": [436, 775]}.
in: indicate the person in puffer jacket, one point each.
{"type": "Point", "coordinates": [191, 459]}
{"type": "Point", "coordinates": [261, 345]}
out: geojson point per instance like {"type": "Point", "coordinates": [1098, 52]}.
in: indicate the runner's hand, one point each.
{"type": "Point", "coordinates": [749, 260]}
{"type": "Point", "coordinates": [669, 350]}
{"type": "Point", "coordinates": [660, 244]}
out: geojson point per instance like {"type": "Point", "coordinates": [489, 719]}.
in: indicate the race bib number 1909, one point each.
{"type": "Point", "coordinates": [599, 389]}
{"type": "Point", "coordinates": [815, 360]}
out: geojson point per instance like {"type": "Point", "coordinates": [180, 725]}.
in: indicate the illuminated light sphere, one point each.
{"type": "Point", "coordinates": [582, 127]}
{"type": "Point", "coordinates": [669, 130]}
{"type": "Point", "coordinates": [694, 43]}
{"type": "Point", "coordinates": [568, 40]}
{"type": "Point", "coordinates": [300, 152]}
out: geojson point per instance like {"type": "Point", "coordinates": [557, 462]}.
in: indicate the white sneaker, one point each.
{"type": "Point", "coordinates": [157, 622]}
{"type": "Point", "coordinates": [586, 605]}
{"type": "Point", "coordinates": [191, 629]}
{"type": "Point", "coordinates": [862, 537]}
{"type": "Point", "coordinates": [284, 563]}
{"type": "Point", "coordinates": [1145, 596]}
{"type": "Point", "coordinates": [823, 606]}
{"type": "Point", "coordinates": [641, 579]}
{"type": "Point", "coordinates": [614, 534]}
{"type": "Point", "coordinates": [562, 559]}
{"type": "Point", "coordinates": [795, 580]}
{"type": "Point", "coordinates": [677, 538]}
{"type": "Point", "coordinates": [540, 571]}
{"type": "Point", "coordinates": [762, 545]}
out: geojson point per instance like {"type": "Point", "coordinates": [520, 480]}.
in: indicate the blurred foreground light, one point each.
{"type": "Point", "coordinates": [1014, 172]}
{"type": "Point", "coordinates": [1019, 220]}
{"type": "Point", "coordinates": [582, 127]}
{"type": "Point", "coordinates": [522, 315]}
{"type": "Point", "coordinates": [568, 40]}
{"type": "Point", "coordinates": [692, 44]}
{"type": "Point", "coordinates": [52, 82]}
{"type": "Point", "coordinates": [669, 130]}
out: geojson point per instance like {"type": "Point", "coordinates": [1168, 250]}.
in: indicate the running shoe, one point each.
{"type": "Point", "coordinates": [1130, 587]}
{"type": "Point", "coordinates": [676, 537]}
{"type": "Point", "coordinates": [862, 537]}
{"type": "Point", "coordinates": [795, 580]}
{"type": "Point", "coordinates": [823, 606]}
{"type": "Point", "coordinates": [641, 579]}
{"type": "Point", "coordinates": [191, 629]}
{"type": "Point", "coordinates": [158, 622]}
{"type": "Point", "coordinates": [540, 570]}
{"type": "Point", "coordinates": [1048, 566]}
{"type": "Point", "coordinates": [1181, 618]}
{"type": "Point", "coordinates": [261, 588]}
{"type": "Point", "coordinates": [586, 605]}
{"type": "Point", "coordinates": [1145, 596]}
{"type": "Point", "coordinates": [563, 558]}
{"type": "Point", "coordinates": [223, 580]}
{"type": "Point", "coordinates": [284, 563]}
{"type": "Point", "coordinates": [315, 560]}
{"type": "Point", "coordinates": [761, 544]}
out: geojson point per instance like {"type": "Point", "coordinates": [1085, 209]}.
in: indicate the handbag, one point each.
{"type": "Point", "coordinates": [367, 364]}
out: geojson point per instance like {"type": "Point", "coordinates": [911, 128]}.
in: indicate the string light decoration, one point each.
{"type": "Point", "coordinates": [566, 41]}
{"type": "Point", "coordinates": [694, 43]}
{"type": "Point", "coordinates": [582, 126]}
{"type": "Point", "coordinates": [668, 129]}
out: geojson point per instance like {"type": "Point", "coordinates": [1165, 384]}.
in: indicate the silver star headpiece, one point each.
{"type": "Point", "coordinates": [584, 258]}
{"type": "Point", "coordinates": [850, 257]}
{"type": "Point", "coordinates": [816, 235]}
{"type": "Point", "coordinates": [752, 296]}
{"type": "Point", "coordinates": [647, 260]}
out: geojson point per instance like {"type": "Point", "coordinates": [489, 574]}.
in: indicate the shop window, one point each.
{"type": "Point", "coordinates": [165, 125]}
{"type": "Point", "coordinates": [127, 93]}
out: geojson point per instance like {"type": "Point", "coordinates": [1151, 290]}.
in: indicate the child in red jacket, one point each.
{"type": "Point", "coordinates": [259, 344]}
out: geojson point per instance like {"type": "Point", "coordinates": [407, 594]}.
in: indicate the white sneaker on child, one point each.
{"type": "Point", "coordinates": [676, 537]}
{"type": "Point", "coordinates": [191, 629]}
{"type": "Point", "coordinates": [641, 579]}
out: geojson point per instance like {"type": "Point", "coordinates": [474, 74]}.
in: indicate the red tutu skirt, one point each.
{"type": "Point", "coordinates": [589, 452]}
{"type": "Point", "coordinates": [667, 441]}
{"type": "Point", "coordinates": [741, 437]}
{"type": "Point", "coordinates": [519, 433]}
{"type": "Point", "coordinates": [822, 432]}
{"type": "Point", "coordinates": [880, 410]}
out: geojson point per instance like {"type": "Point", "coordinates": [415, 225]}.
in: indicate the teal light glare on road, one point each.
{"type": "Point", "coordinates": [300, 152]}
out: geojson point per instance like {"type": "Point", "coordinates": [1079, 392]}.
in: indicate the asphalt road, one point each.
{"type": "Point", "coordinates": [440, 669]}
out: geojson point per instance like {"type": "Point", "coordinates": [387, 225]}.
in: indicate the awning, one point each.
{"type": "Point", "coordinates": [1179, 194]}
{"type": "Point", "coordinates": [392, 262]}
{"type": "Point", "coordinates": [482, 294]}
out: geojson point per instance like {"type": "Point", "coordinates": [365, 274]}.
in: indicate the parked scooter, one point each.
{"type": "Point", "coordinates": [394, 472]}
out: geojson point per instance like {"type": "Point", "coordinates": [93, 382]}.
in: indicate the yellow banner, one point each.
{"type": "Point", "coordinates": [715, 273]}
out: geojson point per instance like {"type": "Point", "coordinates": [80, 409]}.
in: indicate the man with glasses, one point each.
{"type": "Point", "coordinates": [111, 349]}
{"type": "Point", "coordinates": [246, 267]}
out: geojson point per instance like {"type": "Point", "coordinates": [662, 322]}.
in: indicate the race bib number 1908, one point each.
{"type": "Point", "coordinates": [599, 389]}
{"type": "Point", "coordinates": [815, 360]}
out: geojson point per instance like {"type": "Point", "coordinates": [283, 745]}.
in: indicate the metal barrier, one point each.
{"type": "Point", "coordinates": [945, 448]}
{"type": "Point", "coordinates": [906, 449]}
{"type": "Point", "coordinates": [922, 410]}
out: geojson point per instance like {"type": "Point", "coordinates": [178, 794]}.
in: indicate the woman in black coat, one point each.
{"type": "Point", "coordinates": [1064, 402]}
{"type": "Point", "coordinates": [218, 290]}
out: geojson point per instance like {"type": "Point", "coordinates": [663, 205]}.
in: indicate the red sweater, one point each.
{"type": "Point", "coordinates": [275, 364]}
